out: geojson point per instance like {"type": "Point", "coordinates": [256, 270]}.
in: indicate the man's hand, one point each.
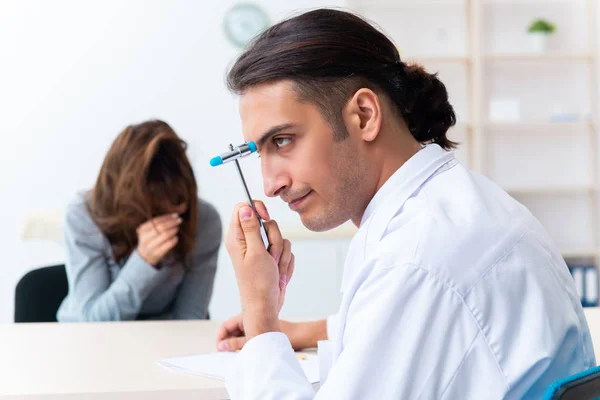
{"type": "Point", "coordinates": [157, 237]}
{"type": "Point", "coordinates": [262, 275]}
{"type": "Point", "coordinates": [302, 335]}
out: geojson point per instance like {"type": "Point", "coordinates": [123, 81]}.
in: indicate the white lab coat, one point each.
{"type": "Point", "coordinates": [451, 290]}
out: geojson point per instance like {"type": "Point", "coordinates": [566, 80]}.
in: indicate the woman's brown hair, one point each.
{"type": "Point", "coordinates": [146, 173]}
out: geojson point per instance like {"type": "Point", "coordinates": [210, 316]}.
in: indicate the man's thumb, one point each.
{"type": "Point", "coordinates": [232, 344]}
{"type": "Point", "coordinates": [250, 226]}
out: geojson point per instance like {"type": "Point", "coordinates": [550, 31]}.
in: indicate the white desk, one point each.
{"type": "Point", "coordinates": [118, 360]}
{"type": "Point", "coordinates": [104, 360]}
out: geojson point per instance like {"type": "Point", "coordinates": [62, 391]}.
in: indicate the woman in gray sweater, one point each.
{"type": "Point", "coordinates": [140, 244]}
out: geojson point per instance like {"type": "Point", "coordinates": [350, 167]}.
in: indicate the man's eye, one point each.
{"type": "Point", "coordinates": [281, 141]}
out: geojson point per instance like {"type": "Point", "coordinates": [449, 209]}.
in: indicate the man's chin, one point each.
{"type": "Point", "coordinates": [320, 224]}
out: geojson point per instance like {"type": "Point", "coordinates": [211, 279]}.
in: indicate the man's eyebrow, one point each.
{"type": "Point", "coordinates": [273, 131]}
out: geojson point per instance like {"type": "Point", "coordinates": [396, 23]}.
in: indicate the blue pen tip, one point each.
{"type": "Point", "coordinates": [252, 147]}
{"type": "Point", "coordinates": [216, 161]}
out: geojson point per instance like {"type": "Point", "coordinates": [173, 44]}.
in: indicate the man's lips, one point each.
{"type": "Point", "coordinates": [297, 200]}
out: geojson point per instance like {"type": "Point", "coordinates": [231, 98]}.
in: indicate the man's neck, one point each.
{"type": "Point", "coordinates": [393, 157]}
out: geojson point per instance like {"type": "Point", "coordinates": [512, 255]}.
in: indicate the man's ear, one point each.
{"type": "Point", "coordinates": [362, 115]}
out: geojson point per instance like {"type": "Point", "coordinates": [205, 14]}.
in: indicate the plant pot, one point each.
{"type": "Point", "coordinates": [539, 42]}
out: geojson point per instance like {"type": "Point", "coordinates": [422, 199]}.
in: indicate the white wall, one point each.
{"type": "Point", "coordinates": [74, 73]}
{"type": "Point", "coordinates": [531, 157]}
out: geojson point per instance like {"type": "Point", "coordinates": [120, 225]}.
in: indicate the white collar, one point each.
{"type": "Point", "coordinates": [391, 197]}
{"type": "Point", "coordinates": [410, 170]}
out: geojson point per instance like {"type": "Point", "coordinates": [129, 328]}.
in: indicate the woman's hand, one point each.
{"type": "Point", "coordinates": [157, 237]}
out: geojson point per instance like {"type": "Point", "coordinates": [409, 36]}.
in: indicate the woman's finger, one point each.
{"type": "Point", "coordinates": [167, 224]}
{"type": "Point", "coordinates": [155, 239]}
{"type": "Point", "coordinates": [164, 248]}
{"type": "Point", "coordinates": [153, 223]}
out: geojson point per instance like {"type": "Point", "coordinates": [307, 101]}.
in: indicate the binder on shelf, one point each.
{"type": "Point", "coordinates": [586, 282]}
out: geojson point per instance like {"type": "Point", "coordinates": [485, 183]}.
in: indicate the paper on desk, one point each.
{"type": "Point", "coordinates": [218, 365]}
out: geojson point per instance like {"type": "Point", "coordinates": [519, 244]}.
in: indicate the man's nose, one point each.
{"type": "Point", "coordinates": [275, 178]}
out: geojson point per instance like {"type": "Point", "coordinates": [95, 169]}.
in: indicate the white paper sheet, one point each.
{"type": "Point", "coordinates": [218, 365]}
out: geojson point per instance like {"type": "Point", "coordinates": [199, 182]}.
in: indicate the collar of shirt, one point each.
{"type": "Point", "coordinates": [388, 200]}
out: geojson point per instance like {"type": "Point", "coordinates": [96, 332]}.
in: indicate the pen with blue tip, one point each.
{"type": "Point", "coordinates": [233, 154]}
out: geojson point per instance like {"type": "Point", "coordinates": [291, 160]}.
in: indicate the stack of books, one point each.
{"type": "Point", "coordinates": [586, 281]}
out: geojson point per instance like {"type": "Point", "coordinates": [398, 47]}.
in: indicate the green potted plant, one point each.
{"type": "Point", "coordinates": [539, 31]}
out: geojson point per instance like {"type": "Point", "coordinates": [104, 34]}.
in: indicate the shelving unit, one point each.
{"type": "Point", "coordinates": [475, 63]}
{"type": "Point", "coordinates": [579, 253]}
{"type": "Point", "coordinates": [539, 126]}
{"type": "Point", "coordinates": [550, 189]}
{"type": "Point", "coordinates": [516, 57]}
{"type": "Point", "coordinates": [439, 59]}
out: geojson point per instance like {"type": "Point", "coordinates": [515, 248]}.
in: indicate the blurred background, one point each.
{"type": "Point", "coordinates": [522, 75]}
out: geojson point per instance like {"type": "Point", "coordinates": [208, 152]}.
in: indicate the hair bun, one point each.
{"type": "Point", "coordinates": [425, 106]}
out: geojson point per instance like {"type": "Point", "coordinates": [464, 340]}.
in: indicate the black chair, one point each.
{"type": "Point", "coordinates": [39, 294]}
{"type": "Point", "coordinates": [582, 386]}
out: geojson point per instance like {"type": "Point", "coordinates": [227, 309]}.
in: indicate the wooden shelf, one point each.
{"type": "Point", "coordinates": [478, 134]}
{"type": "Point", "coordinates": [345, 231]}
{"type": "Point", "coordinates": [549, 189]}
{"type": "Point", "coordinates": [522, 2]}
{"type": "Point", "coordinates": [461, 126]}
{"type": "Point", "coordinates": [424, 60]}
{"type": "Point", "coordinates": [526, 57]}
{"type": "Point", "coordinates": [579, 252]}
{"type": "Point", "coordinates": [404, 4]}
{"type": "Point", "coordinates": [542, 126]}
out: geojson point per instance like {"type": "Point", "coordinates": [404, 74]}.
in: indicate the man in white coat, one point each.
{"type": "Point", "coordinates": [451, 288]}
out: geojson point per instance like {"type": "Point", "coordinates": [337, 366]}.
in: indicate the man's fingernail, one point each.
{"type": "Point", "coordinates": [175, 215]}
{"type": "Point", "coordinates": [245, 213]}
{"type": "Point", "coordinates": [283, 281]}
{"type": "Point", "coordinates": [223, 346]}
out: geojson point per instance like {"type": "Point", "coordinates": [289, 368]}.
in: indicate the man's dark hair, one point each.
{"type": "Point", "coordinates": [329, 55]}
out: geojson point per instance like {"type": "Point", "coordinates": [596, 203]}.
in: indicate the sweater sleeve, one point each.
{"type": "Point", "coordinates": [92, 295]}
{"type": "Point", "coordinates": [196, 289]}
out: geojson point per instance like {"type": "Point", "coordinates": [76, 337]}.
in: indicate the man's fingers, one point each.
{"type": "Point", "coordinates": [281, 299]}
{"type": "Point", "coordinates": [232, 344]}
{"type": "Point", "coordinates": [284, 262]}
{"type": "Point", "coordinates": [226, 334]}
{"type": "Point", "coordinates": [251, 229]}
{"type": "Point", "coordinates": [275, 239]}
{"type": "Point", "coordinates": [230, 328]}
{"type": "Point", "coordinates": [284, 281]}
{"type": "Point", "coordinates": [262, 210]}
{"type": "Point", "coordinates": [235, 229]}
{"type": "Point", "coordinates": [290, 270]}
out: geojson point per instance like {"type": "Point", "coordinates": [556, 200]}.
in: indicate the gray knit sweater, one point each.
{"type": "Point", "coordinates": [102, 290]}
